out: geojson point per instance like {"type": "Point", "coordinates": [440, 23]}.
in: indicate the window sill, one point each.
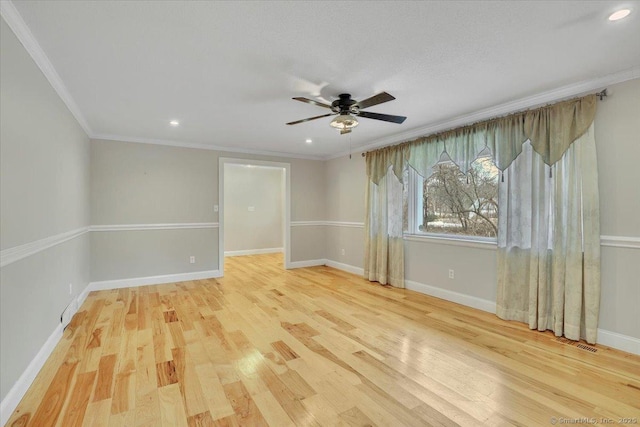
{"type": "Point", "coordinates": [454, 241]}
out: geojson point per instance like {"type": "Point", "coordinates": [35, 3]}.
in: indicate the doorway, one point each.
{"type": "Point", "coordinates": [254, 212]}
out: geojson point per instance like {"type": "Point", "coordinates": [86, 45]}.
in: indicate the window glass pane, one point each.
{"type": "Point", "coordinates": [453, 203]}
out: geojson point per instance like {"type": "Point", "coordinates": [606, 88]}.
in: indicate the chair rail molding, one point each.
{"type": "Point", "coordinates": [16, 253]}
{"type": "Point", "coordinates": [327, 223]}
{"type": "Point", "coordinates": [143, 227]}
{"type": "Point", "coordinates": [620, 241]}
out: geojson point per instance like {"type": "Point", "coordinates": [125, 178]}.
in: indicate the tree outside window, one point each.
{"type": "Point", "coordinates": [450, 202]}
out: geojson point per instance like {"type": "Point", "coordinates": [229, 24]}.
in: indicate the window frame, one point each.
{"type": "Point", "coordinates": [415, 189]}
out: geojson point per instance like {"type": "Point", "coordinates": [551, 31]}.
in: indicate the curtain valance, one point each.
{"type": "Point", "coordinates": [550, 129]}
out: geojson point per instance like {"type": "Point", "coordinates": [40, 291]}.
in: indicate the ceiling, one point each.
{"type": "Point", "coordinates": [228, 70]}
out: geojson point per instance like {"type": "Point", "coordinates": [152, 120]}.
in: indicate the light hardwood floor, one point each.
{"type": "Point", "coordinates": [314, 346]}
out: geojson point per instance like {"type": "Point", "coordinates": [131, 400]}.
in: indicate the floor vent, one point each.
{"type": "Point", "coordinates": [588, 348]}
{"type": "Point", "coordinates": [567, 341]}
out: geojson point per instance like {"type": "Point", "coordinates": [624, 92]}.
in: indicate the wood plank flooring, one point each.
{"type": "Point", "coordinates": [314, 347]}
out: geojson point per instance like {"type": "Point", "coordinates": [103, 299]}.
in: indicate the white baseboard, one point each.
{"type": "Point", "coordinates": [345, 267]}
{"type": "Point", "coordinates": [457, 297]}
{"type": "Point", "coordinates": [315, 262]}
{"type": "Point", "coordinates": [254, 252]}
{"type": "Point", "coordinates": [17, 392]}
{"type": "Point", "coordinates": [75, 305]}
{"type": "Point", "coordinates": [153, 280]}
{"type": "Point", "coordinates": [83, 296]}
{"type": "Point", "coordinates": [307, 263]}
{"type": "Point", "coordinates": [608, 338]}
{"type": "Point", "coordinates": [619, 341]}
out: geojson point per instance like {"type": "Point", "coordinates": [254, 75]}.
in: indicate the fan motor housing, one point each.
{"type": "Point", "coordinates": [344, 104]}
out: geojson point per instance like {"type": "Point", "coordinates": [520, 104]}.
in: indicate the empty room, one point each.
{"type": "Point", "coordinates": [319, 213]}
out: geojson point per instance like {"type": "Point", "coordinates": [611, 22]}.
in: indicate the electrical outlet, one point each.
{"type": "Point", "coordinates": [451, 274]}
{"type": "Point", "coordinates": [70, 288]}
{"type": "Point", "coordinates": [342, 251]}
{"type": "Point", "coordinates": [251, 208]}
{"type": "Point", "coordinates": [192, 259]}
{"type": "Point", "coordinates": [215, 208]}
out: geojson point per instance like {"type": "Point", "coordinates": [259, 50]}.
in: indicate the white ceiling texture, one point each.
{"type": "Point", "coordinates": [228, 70]}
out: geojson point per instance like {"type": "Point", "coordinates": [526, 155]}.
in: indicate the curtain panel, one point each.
{"type": "Point", "coordinates": [384, 247]}
{"type": "Point", "coordinates": [549, 242]}
{"type": "Point", "coordinates": [559, 266]}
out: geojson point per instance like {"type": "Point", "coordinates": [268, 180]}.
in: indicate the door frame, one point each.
{"type": "Point", "coordinates": [222, 161]}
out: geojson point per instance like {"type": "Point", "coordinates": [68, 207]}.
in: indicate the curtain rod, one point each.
{"type": "Point", "coordinates": [600, 95]}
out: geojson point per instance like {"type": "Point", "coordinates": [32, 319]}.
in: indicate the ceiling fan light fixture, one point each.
{"type": "Point", "coordinates": [344, 121]}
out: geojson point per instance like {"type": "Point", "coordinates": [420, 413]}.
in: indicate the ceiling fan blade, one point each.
{"type": "Point", "coordinates": [311, 101]}
{"type": "Point", "coordinates": [384, 117]}
{"type": "Point", "coordinates": [343, 131]}
{"type": "Point", "coordinates": [310, 118]}
{"type": "Point", "coordinates": [375, 100]}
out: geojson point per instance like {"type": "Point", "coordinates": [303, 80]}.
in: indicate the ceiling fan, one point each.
{"type": "Point", "coordinates": [346, 108]}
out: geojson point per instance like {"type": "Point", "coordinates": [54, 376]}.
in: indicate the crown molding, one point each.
{"type": "Point", "coordinates": [575, 89]}
{"type": "Point", "coordinates": [179, 144]}
{"type": "Point", "coordinates": [26, 37]}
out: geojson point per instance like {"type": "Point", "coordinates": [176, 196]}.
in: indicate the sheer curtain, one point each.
{"type": "Point", "coordinates": [384, 246]}
{"type": "Point", "coordinates": [548, 241]}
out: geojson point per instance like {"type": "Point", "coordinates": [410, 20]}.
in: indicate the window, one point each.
{"type": "Point", "coordinates": [452, 203]}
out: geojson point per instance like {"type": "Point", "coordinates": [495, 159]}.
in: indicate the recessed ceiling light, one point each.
{"type": "Point", "coordinates": [308, 141]}
{"type": "Point", "coordinates": [174, 123]}
{"type": "Point", "coordinates": [616, 16]}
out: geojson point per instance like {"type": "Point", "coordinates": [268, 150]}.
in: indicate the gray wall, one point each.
{"type": "Point", "coordinates": [44, 190]}
{"type": "Point", "coordinates": [147, 184]}
{"type": "Point", "coordinates": [617, 128]}
{"type": "Point", "coordinates": [151, 184]}
{"type": "Point", "coordinates": [345, 186]}
{"type": "Point", "coordinates": [618, 143]}
{"type": "Point", "coordinates": [261, 188]}
{"type": "Point", "coordinates": [143, 253]}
